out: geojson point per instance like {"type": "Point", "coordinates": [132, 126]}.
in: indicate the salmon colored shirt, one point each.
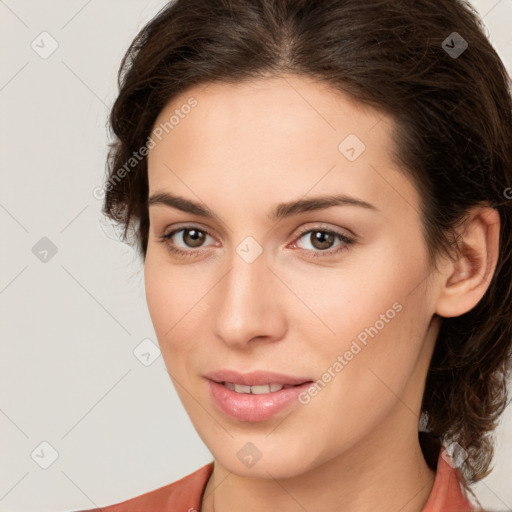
{"type": "Point", "coordinates": [185, 495]}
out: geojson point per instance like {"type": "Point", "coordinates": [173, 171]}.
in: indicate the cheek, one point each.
{"type": "Point", "coordinates": [158, 294]}
{"type": "Point", "coordinates": [361, 382]}
{"type": "Point", "coordinates": [364, 295]}
{"type": "Point", "coordinates": [177, 301]}
{"type": "Point", "coordinates": [380, 337]}
{"type": "Point", "coordinates": [171, 291]}
{"type": "Point", "coordinates": [375, 315]}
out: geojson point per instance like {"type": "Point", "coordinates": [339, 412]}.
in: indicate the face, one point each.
{"type": "Point", "coordinates": [259, 277]}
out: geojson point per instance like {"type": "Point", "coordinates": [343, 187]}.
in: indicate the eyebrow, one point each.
{"type": "Point", "coordinates": [281, 211]}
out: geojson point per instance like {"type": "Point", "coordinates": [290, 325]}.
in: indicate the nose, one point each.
{"type": "Point", "coordinates": [249, 302]}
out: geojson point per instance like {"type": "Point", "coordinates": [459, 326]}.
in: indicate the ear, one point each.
{"type": "Point", "coordinates": [466, 277]}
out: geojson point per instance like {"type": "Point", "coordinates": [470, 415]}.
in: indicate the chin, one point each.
{"type": "Point", "coordinates": [278, 466]}
{"type": "Point", "coordinates": [258, 457]}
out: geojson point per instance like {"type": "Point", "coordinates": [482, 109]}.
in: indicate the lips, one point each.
{"type": "Point", "coordinates": [250, 407]}
{"type": "Point", "coordinates": [255, 396]}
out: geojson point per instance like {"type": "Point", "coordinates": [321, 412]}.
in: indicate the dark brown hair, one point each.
{"type": "Point", "coordinates": [453, 138]}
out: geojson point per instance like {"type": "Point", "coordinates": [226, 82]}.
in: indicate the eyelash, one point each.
{"type": "Point", "coordinates": [347, 241]}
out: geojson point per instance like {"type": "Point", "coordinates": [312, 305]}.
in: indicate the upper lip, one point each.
{"type": "Point", "coordinates": [255, 378]}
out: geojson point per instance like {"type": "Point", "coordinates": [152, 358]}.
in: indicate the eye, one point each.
{"type": "Point", "coordinates": [191, 236]}
{"type": "Point", "coordinates": [321, 240]}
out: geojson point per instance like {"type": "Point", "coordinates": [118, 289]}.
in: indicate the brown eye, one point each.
{"type": "Point", "coordinates": [184, 240]}
{"type": "Point", "coordinates": [322, 242]}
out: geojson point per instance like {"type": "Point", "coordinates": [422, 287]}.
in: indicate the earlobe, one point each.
{"type": "Point", "coordinates": [469, 274]}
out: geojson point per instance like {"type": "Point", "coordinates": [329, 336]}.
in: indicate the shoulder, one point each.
{"type": "Point", "coordinates": [184, 495]}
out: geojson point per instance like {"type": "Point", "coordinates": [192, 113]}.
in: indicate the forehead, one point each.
{"type": "Point", "coordinates": [288, 103]}
{"type": "Point", "coordinates": [291, 133]}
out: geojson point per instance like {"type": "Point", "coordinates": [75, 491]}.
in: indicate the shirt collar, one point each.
{"type": "Point", "coordinates": [448, 492]}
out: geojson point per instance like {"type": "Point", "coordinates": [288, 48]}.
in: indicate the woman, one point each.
{"type": "Point", "coordinates": [320, 193]}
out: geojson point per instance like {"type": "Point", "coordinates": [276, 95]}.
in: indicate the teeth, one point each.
{"type": "Point", "coordinates": [255, 390]}
{"type": "Point", "coordinates": [240, 388]}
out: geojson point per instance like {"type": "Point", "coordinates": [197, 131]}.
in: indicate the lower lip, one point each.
{"type": "Point", "coordinates": [249, 407]}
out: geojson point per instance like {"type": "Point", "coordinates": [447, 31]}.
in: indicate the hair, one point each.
{"type": "Point", "coordinates": [452, 135]}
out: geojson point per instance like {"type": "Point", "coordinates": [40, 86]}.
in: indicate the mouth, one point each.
{"type": "Point", "coordinates": [256, 396]}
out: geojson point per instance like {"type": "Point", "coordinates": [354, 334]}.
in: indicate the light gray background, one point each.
{"type": "Point", "coordinates": [70, 325]}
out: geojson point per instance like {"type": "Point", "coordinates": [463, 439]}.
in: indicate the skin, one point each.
{"type": "Point", "coordinates": [242, 150]}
